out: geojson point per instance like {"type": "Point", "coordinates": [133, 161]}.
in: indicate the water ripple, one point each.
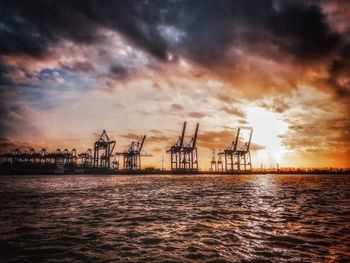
{"type": "Point", "coordinates": [245, 218]}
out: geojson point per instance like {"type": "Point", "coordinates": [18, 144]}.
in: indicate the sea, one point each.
{"type": "Point", "coordinates": [175, 218]}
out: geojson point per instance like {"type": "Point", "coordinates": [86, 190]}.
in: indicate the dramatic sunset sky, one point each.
{"type": "Point", "coordinates": [69, 69]}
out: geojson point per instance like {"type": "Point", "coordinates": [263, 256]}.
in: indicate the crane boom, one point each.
{"type": "Point", "coordinates": [142, 142]}
{"type": "Point", "coordinates": [237, 137]}
{"type": "Point", "coordinates": [183, 135]}
{"type": "Point", "coordinates": [195, 135]}
{"type": "Point", "coordinates": [250, 138]}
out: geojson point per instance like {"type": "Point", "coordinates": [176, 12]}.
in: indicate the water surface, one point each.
{"type": "Point", "coordinates": [198, 218]}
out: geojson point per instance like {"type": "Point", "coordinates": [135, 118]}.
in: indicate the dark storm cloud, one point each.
{"type": "Point", "coordinates": [340, 69]}
{"type": "Point", "coordinates": [4, 70]}
{"type": "Point", "coordinates": [210, 27]}
{"type": "Point", "coordinates": [31, 27]}
{"type": "Point", "coordinates": [12, 77]}
{"type": "Point", "coordinates": [118, 71]}
{"type": "Point", "coordinates": [294, 27]}
{"type": "Point", "coordinates": [203, 31]}
{"type": "Point", "coordinates": [302, 30]}
{"type": "Point", "coordinates": [207, 32]}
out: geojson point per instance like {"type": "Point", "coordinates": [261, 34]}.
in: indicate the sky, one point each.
{"type": "Point", "coordinates": [70, 69]}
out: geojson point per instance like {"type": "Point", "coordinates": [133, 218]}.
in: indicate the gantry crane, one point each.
{"type": "Point", "coordinates": [238, 158]}
{"type": "Point", "coordinates": [184, 158]}
{"type": "Point", "coordinates": [103, 150]}
{"type": "Point", "coordinates": [132, 155]}
{"type": "Point", "coordinates": [220, 164]}
{"type": "Point", "coordinates": [213, 162]}
{"type": "Point", "coordinates": [86, 158]}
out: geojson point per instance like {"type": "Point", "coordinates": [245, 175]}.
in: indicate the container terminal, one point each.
{"type": "Point", "coordinates": [104, 159]}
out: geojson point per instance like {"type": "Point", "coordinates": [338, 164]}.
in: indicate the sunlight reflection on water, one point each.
{"type": "Point", "coordinates": [175, 218]}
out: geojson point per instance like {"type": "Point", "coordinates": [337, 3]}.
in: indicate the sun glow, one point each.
{"type": "Point", "coordinates": [268, 129]}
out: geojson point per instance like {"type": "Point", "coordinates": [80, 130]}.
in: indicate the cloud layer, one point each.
{"type": "Point", "coordinates": [136, 66]}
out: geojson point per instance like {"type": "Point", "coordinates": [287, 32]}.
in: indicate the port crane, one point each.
{"type": "Point", "coordinates": [236, 157]}
{"type": "Point", "coordinates": [132, 155]}
{"type": "Point", "coordinates": [184, 158]}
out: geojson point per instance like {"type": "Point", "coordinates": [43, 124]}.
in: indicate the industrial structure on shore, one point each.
{"type": "Point", "coordinates": [132, 156]}
{"type": "Point", "coordinates": [183, 157]}
{"type": "Point", "coordinates": [237, 155]}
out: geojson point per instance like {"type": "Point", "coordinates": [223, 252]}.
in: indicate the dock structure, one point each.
{"type": "Point", "coordinates": [132, 156]}
{"type": "Point", "coordinates": [102, 158]}
{"type": "Point", "coordinates": [237, 155]}
{"type": "Point", "coordinates": [184, 157]}
{"type": "Point", "coordinates": [42, 157]}
{"type": "Point", "coordinates": [216, 165]}
{"type": "Point", "coordinates": [115, 163]}
{"type": "Point", "coordinates": [176, 153]}
{"type": "Point", "coordinates": [31, 159]}
{"type": "Point", "coordinates": [103, 151]}
{"type": "Point", "coordinates": [220, 163]}
{"type": "Point", "coordinates": [213, 166]}
{"type": "Point", "coordinates": [86, 159]}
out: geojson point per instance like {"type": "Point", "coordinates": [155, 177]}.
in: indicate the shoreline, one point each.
{"type": "Point", "coordinates": [164, 172]}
